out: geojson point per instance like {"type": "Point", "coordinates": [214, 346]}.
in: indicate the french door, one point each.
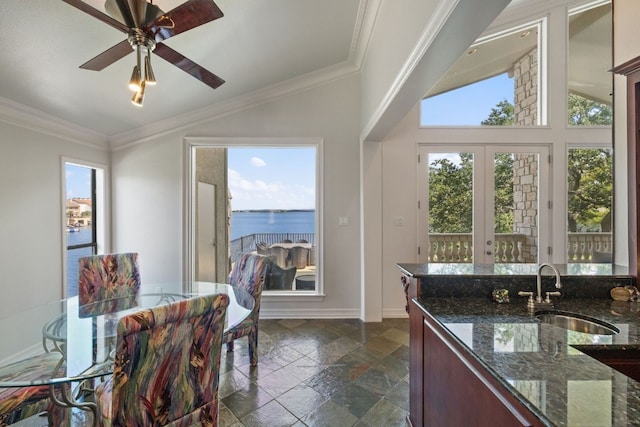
{"type": "Point", "coordinates": [483, 204]}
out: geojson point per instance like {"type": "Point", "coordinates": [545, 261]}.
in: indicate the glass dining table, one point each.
{"type": "Point", "coordinates": [63, 345]}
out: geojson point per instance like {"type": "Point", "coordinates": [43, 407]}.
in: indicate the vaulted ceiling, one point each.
{"type": "Point", "coordinates": [261, 48]}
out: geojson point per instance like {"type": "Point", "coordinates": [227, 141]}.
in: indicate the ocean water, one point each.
{"type": "Point", "coordinates": [246, 223]}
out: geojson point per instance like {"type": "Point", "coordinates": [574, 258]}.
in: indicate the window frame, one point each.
{"type": "Point", "coordinates": [100, 216]}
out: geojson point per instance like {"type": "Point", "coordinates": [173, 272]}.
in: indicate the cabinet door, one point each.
{"type": "Point", "coordinates": [459, 392]}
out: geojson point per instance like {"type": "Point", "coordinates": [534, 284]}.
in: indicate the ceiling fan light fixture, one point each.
{"type": "Point", "coordinates": [149, 77]}
{"type": "Point", "coordinates": [135, 82]}
{"type": "Point", "coordinates": [138, 97]}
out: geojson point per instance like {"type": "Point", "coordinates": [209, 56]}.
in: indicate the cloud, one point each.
{"type": "Point", "coordinates": [258, 162]}
{"type": "Point", "coordinates": [259, 194]}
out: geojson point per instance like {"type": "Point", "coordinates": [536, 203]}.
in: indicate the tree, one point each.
{"type": "Point", "coordinates": [586, 112]}
{"type": "Point", "coordinates": [589, 174]}
{"type": "Point", "coordinates": [451, 195]}
{"type": "Point", "coordinates": [589, 178]}
{"type": "Point", "coordinates": [500, 115]}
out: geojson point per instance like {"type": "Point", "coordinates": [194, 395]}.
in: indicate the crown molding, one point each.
{"type": "Point", "coordinates": [29, 118]}
{"type": "Point", "coordinates": [234, 105]}
{"type": "Point", "coordinates": [363, 30]}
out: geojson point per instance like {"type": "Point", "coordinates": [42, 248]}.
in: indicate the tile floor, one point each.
{"type": "Point", "coordinates": [334, 373]}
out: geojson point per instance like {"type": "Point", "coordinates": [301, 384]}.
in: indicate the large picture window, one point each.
{"type": "Point", "coordinates": [261, 198]}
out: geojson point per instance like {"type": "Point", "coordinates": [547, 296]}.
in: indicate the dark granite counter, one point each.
{"type": "Point", "coordinates": [540, 364]}
{"type": "Point", "coordinates": [478, 281]}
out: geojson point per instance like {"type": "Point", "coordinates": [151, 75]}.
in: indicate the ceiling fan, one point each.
{"type": "Point", "coordinates": [147, 26]}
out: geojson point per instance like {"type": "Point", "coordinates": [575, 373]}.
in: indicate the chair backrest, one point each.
{"type": "Point", "coordinates": [108, 283]}
{"type": "Point", "coordinates": [280, 278]}
{"type": "Point", "coordinates": [280, 254]}
{"type": "Point", "coordinates": [250, 273]}
{"type": "Point", "coordinates": [299, 256]}
{"type": "Point", "coordinates": [167, 363]}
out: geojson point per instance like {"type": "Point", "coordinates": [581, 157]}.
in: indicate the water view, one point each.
{"type": "Point", "coordinates": [244, 223]}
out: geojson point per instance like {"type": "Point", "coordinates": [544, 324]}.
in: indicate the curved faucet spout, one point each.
{"type": "Point", "coordinates": [539, 279]}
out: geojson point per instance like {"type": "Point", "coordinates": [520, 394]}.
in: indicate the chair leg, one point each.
{"type": "Point", "coordinates": [253, 346]}
{"type": "Point", "coordinates": [230, 346]}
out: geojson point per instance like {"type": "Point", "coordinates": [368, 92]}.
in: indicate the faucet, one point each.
{"type": "Point", "coordinates": [539, 302]}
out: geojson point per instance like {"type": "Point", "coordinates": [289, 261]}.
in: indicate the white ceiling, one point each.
{"type": "Point", "coordinates": [261, 48]}
{"type": "Point", "coordinates": [256, 44]}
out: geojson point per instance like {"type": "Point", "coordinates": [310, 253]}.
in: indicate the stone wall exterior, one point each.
{"type": "Point", "coordinates": [525, 198]}
{"type": "Point", "coordinates": [525, 78]}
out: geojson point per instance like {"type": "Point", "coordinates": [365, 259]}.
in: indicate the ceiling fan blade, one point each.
{"type": "Point", "coordinates": [90, 10]}
{"type": "Point", "coordinates": [187, 65]}
{"type": "Point", "coordinates": [108, 57]}
{"type": "Point", "coordinates": [188, 15]}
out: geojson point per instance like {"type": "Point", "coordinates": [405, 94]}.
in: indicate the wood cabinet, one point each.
{"type": "Point", "coordinates": [449, 387]}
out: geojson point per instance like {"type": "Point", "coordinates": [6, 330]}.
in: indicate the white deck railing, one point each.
{"type": "Point", "coordinates": [507, 248]}
{"type": "Point", "coordinates": [590, 247]}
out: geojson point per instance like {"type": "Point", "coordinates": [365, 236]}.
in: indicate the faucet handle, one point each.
{"type": "Point", "coordinates": [530, 301]}
{"type": "Point", "coordinates": [551, 294]}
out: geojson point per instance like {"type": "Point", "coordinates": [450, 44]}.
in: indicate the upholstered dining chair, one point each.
{"type": "Point", "coordinates": [250, 273]}
{"type": "Point", "coordinates": [108, 283]}
{"type": "Point", "coordinates": [280, 279]}
{"type": "Point", "coordinates": [167, 366]}
{"type": "Point", "coordinates": [19, 403]}
{"type": "Point", "coordinates": [281, 256]}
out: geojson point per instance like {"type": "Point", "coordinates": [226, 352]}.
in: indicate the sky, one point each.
{"type": "Point", "coordinates": [284, 178]}
{"type": "Point", "coordinates": [78, 181]}
{"type": "Point", "coordinates": [467, 105]}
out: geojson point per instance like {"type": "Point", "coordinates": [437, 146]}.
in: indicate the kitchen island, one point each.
{"type": "Point", "coordinates": [476, 362]}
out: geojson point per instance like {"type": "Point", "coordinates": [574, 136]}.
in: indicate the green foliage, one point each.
{"type": "Point", "coordinates": [503, 188]}
{"type": "Point", "coordinates": [451, 195]}
{"type": "Point", "coordinates": [500, 115]}
{"type": "Point", "coordinates": [590, 188]}
{"type": "Point", "coordinates": [586, 112]}
{"type": "Point", "coordinates": [589, 174]}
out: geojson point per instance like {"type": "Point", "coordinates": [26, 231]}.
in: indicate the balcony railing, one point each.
{"type": "Point", "coordinates": [508, 247]}
{"type": "Point", "coordinates": [458, 248]}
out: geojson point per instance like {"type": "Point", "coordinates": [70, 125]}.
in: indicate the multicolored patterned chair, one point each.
{"type": "Point", "coordinates": [166, 368]}
{"type": "Point", "coordinates": [23, 402]}
{"type": "Point", "coordinates": [107, 283]}
{"type": "Point", "coordinates": [250, 273]}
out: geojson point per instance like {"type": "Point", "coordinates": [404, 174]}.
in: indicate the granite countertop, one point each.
{"type": "Point", "coordinates": [542, 364]}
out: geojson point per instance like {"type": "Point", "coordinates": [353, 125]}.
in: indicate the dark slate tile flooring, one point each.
{"type": "Point", "coordinates": [321, 372]}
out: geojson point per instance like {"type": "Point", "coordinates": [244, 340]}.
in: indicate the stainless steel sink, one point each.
{"type": "Point", "coordinates": [576, 322]}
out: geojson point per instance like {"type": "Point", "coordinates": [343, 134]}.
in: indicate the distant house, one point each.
{"type": "Point", "coordinates": [77, 209]}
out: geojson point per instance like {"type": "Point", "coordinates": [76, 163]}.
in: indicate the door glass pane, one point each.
{"type": "Point", "coordinates": [450, 207]}
{"type": "Point", "coordinates": [516, 207]}
{"type": "Point", "coordinates": [590, 187]}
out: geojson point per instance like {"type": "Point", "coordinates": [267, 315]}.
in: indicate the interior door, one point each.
{"type": "Point", "coordinates": [483, 204]}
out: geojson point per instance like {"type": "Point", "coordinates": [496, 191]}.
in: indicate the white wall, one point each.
{"type": "Point", "coordinates": [31, 222]}
{"type": "Point", "coordinates": [148, 176]}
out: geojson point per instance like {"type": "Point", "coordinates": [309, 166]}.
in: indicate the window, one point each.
{"type": "Point", "coordinates": [590, 204]}
{"type": "Point", "coordinates": [83, 208]}
{"type": "Point", "coordinates": [495, 82]}
{"type": "Point", "coordinates": [259, 198]}
{"type": "Point", "coordinates": [589, 79]}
